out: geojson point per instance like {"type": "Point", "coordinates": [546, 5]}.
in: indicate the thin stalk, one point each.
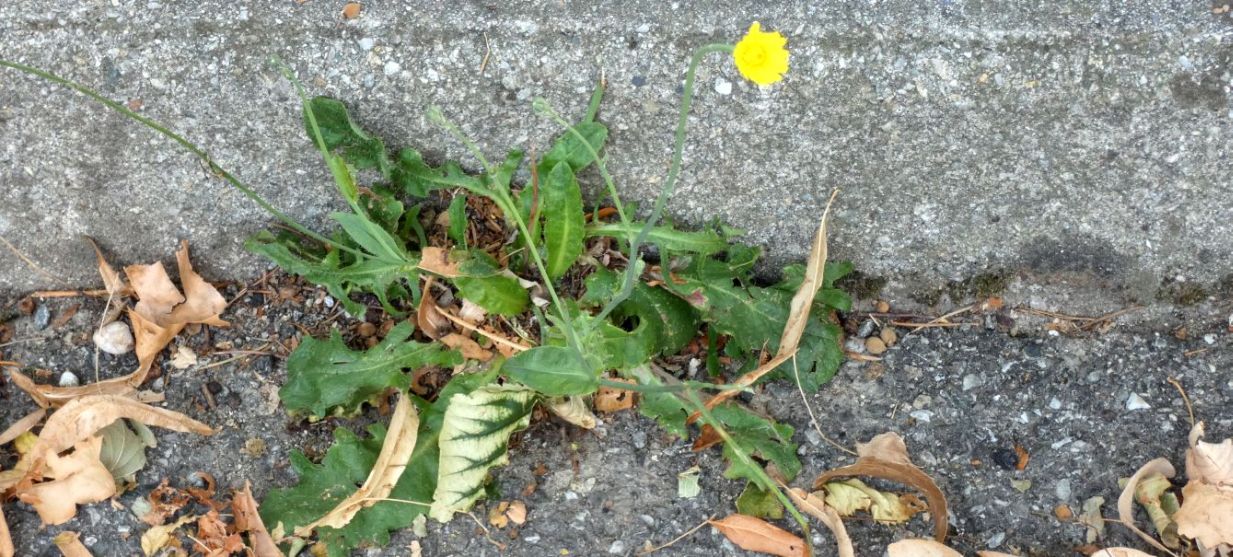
{"type": "Point", "coordinates": [200, 153]}
{"type": "Point", "coordinates": [674, 170]}
{"type": "Point", "coordinates": [609, 183]}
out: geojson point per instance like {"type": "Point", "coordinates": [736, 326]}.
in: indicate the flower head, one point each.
{"type": "Point", "coordinates": [761, 57]}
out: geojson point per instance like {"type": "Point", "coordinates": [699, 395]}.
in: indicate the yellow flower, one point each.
{"type": "Point", "coordinates": [761, 57]}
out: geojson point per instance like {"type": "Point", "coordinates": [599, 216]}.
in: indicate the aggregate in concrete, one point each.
{"type": "Point", "coordinates": [1078, 142]}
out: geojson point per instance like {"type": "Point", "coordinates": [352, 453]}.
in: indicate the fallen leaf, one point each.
{"type": "Point", "coordinates": [1153, 495]}
{"type": "Point", "coordinates": [6, 540]}
{"type": "Point", "coordinates": [75, 479]}
{"type": "Point", "coordinates": [611, 399]}
{"type": "Point", "coordinates": [496, 515]}
{"type": "Point", "coordinates": [852, 495]}
{"type": "Point", "coordinates": [1093, 519]}
{"type": "Point", "coordinates": [1120, 552]}
{"type": "Point", "coordinates": [469, 349]}
{"type": "Point", "coordinates": [214, 537]}
{"type": "Point", "coordinates": [816, 507]}
{"type": "Point", "coordinates": [81, 418]}
{"type": "Point", "coordinates": [63, 318]}
{"type": "Point", "coordinates": [687, 483]}
{"type": "Point", "coordinates": [52, 396]}
{"type": "Point", "coordinates": [755, 534]}
{"type": "Point", "coordinates": [1125, 503]}
{"type": "Point", "coordinates": [164, 501]}
{"type": "Point", "coordinates": [158, 537]}
{"type": "Point", "coordinates": [247, 519]}
{"type": "Point", "coordinates": [1209, 463]}
{"type": "Point", "coordinates": [920, 548]}
{"type": "Point", "coordinates": [351, 10]}
{"type": "Point", "coordinates": [472, 312]}
{"type": "Point", "coordinates": [23, 425]}
{"type": "Point", "coordinates": [437, 261]}
{"type": "Point", "coordinates": [1023, 457]}
{"type": "Point", "coordinates": [112, 281]}
{"type": "Point", "coordinates": [428, 316]}
{"type": "Point", "coordinates": [162, 311]}
{"type": "Point", "coordinates": [391, 461]}
{"type": "Point", "coordinates": [124, 448]}
{"type": "Point", "coordinates": [886, 457]}
{"type": "Point", "coordinates": [69, 544]}
{"type": "Point", "coordinates": [572, 409]}
{"type": "Point", "coordinates": [517, 512]}
{"type": "Point", "coordinates": [183, 358]}
{"type": "Point", "coordinates": [1206, 514]}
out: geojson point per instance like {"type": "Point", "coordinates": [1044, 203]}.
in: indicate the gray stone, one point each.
{"type": "Point", "coordinates": [1053, 140]}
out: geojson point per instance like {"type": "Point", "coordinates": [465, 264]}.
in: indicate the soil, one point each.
{"type": "Point", "coordinates": [963, 398]}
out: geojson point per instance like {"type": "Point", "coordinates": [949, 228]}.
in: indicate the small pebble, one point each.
{"type": "Point", "coordinates": [392, 68]}
{"type": "Point", "coordinates": [971, 381]}
{"type": "Point", "coordinates": [875, 345]}
{"type": "Point", "coordinates": [1021, 485]}
{"type": "Point", "coordinates": [617, 548]}
{"type": "Point", "coordinates": [1055, 404]}
{"type": "Point", "coordinates": [889, 336]}
{"type": "Point", "coordinates": [215, 387]}
{"type": "Point", "coordinates": [1136, 402]}
{"type": "Point", "coordinates": [366, 329]}
{"type": "Point", "coordinates": [882, 306]}
{"type": "Point", "coordinates": [1210, 339]}
{"type": "Point", "coordinates": [42, 317]}
{"type": "Point", "coordinates": [366, 43]}
{"type": "Point", "coordinates": [638, 81]}
{"type": "Point", "coordinates": [723, 86]}
{"type": "Point", "coordinates": [996, 540]}
{"type": "Point", "coordinates": [114, 338]}
{"type": "Point", "coordinates": [69, 379]}
{"type": "Point", "coordinates": [922, 416]}
{"type": "Point", "coordinates": [1062, 490]}
{"type": "Point", "coordinates": [866, 329]}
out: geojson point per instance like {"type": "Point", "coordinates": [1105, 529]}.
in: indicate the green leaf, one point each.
{"type": "Point", "coordinates": [761, 438]}
{"type": "Point", "coordinates": [342, 136]}
{"type": "Point", "coordinates": [666, 237]}
{"type": "Point", "coordinates": [663, 321]}
{"type": "Point", "coordinates": [346, 465]}
{"type": "Point", "coordinates": [572, 151]}
{"type": "Point", "coordinates": [474, 439]}
{"type": "Point", "coordinates": [755, 501]}
{"type": "Point", "coordinates": [553, 371]}
{"type": "Point", "coordinates": [563, 219]}
{"type": "Point", "coordinates": [458, 219]}
{"type": "Point", "coordinates": [484, 283]}
{"type": "Point", "coordinates": [665, 408]}
{"type": "Point", "coordinates": [370, 236]}
{"type": "Point", "coordinates": [417, 178]}
{"type": "Point", "coordinates": [504, 174]}
{"type": "Point", "coordinates": [124, 449]}
{"type": "Point", "coordinates": [325, 374]}
{"type": "Point", "coordinates": [381, 278]}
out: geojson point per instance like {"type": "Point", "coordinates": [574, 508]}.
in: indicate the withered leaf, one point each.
{"type": "Point", "coordinates": [248, 520]}
{"type": "Point", "coordinates": [76, 479]}
{"type": "Point", "coordinates": [1125, 501]}
{"type": "Point", "coordinates": [920, 548]}
{"type": "Point", "coordinates": [816, 507]}
{"type": "Point", "coordinates": [23, 425]}
{"type": "Point", "coordinates": [755, 534]}
{"type": "Point", "coordinates": [469, 349]}
{"type": "Point", "coordinates": [69, 544]}
{"type": "Point", "coordinates": [81, 418]}
{"type": "Point", "coordinates": [6, 540]}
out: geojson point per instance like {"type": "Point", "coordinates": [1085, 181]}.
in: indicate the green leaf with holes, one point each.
{"type": "Point", "coordinates": [344, 137]}
{"type": "Point", "coordinates": [474, 439]}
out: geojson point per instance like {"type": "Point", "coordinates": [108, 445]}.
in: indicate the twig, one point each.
{"type": "Point", "coordinates": [929, 325]}
{"type": "Point", "coordinates": [225, 362]}
{"type": "Point", "coordinates": [487, 53]}
{"type": "Point", "coordinates": [24, 340]}
{"type": "Point", "coordinates": [1088, 323]}
{"type": "Point", "coordinates": [680, 537]}
{"type": "Point", "coordinates": [1189, 410]}
{"type": "Point", "coordinates": [29, 262]}
{"type": "Point", "coordinates": [209, 397]}
{"type": "Point", "coordinates": [1195, 352]}
{"type": "Point", "coordinates": [813, 420]}
{"type": "Point", "coordinates": [95, 293]}
{"type": "Point", "coordinates": [4, 363]}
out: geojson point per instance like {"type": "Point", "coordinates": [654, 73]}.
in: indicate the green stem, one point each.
{"type": "Point", "coordinates": [599, 162]}
{"type": "Point", "coordinates": [186, 144]}
{"type": "Point", "coordinates": [674, 170]}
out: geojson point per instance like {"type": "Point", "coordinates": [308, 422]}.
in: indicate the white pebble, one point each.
{"type": "Point", "coordinates": [617, 548]}
{"type": "Point", "coordinates": [723, 86]}
{"type": "Point", "coordinates": [1210, 339]}
{"type": "Point", "coordinates": [1062, 490]}
{"type": "Point", "coordinates": [1136, 402]}
{"type": "Point", "coordinates": [114, 338]}
{"type": "Point", "coordinates": [69, 379]}
{"type": "Point", "coordinates": [971, 381]}
{"type": "Point", "coordinates": [923, 416]}
{"type": "Point", "coordinates": [392, 68]}
{"type": "Point", "coordinates": [366, 43]}
{"type": "Point", "coordinates": [1055, 404]}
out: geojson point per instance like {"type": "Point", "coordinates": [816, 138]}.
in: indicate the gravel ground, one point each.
{"type": "Point", "coordinates": [961, 397]}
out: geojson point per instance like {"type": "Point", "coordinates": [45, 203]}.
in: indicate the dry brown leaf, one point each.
{"type": "Point", "coordinates": [162, 311]}
{"type": "Point", "coordinates": [76, 479]}
{"type": "Point", "coordinates": [1209, 463]}
{"type": "Point", "coordinates": [6, 540]}
{"type": "Point", "coordinates": [23, 425]}
{"type": "Point", "coordinates": [391, 461]}
{"type": "Point", "coordinates": [158, 537]}
{"type": "Point", "coordinates": [1125, 501]}
{"type": "Point", "coordinates": [798, 316]}
{"type": "Point", "coordinates": [496, 515]}
{"type": "Point", "coordinates": [572, 409]}
{"type": "Point", "coordinates": [437, 261]}
{"type": "Point", "coordinates": [994, 554]}
{"type": "Point", "coordinates": [428, 316]}
{"type": "Point", "coordinates": [69, 544]}
{"type": "Point", "coordinates": [886, 457]}
{"type": "Point", "coordinates": [755, 534]}
{"type": "Point", "coordinates": [1120, 552]}
{"type": "Point", "coordinates": [247, 519]}
{"type": "Point", "coordinates": [164, 501]}
{"type": "Point", "coordinates": [469, 349]}
{"type": "Point", "coordinates": [517, 512]}
{"type": "Point", "coordinates": [920, 548]}
{"type": "Point", "coordinates": [611, 399]}
{"type": "Point", "coordinates": [53, 396]}
{"type": "Point", "coordinates": [472, 312]}
{"type": "Point", "coordinates": [83, 417]}
{"type": "Point", "coordinates": [816, 507]}
{"type": "Point", "coordinates": [213, 537]}
{"type": "Point", "coordinates": [112, 281]}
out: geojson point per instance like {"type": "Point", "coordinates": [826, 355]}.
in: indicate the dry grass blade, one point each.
{"type": "Point", "coordinates": [395, 452]}
{"type": "Point", "coordinates": [885, 457]}
{"type": "Point", "coordinates": [816, 507]}
{"type": "Point", "coordinates": [798, 317]}
{"type": "Point", "coordinates": [83, 417]}
{"type": "Point", "coordinates": [755, 534]}
{"type": "Point", "coordinates": [23, 425]}
{"type": "Point", "coordinates": [1125, 501]}
{"type": "Point", "coordinates": [69, 544]}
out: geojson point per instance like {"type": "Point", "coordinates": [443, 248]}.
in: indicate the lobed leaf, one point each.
{"type": "Point", "coordinates": [344, 137]}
